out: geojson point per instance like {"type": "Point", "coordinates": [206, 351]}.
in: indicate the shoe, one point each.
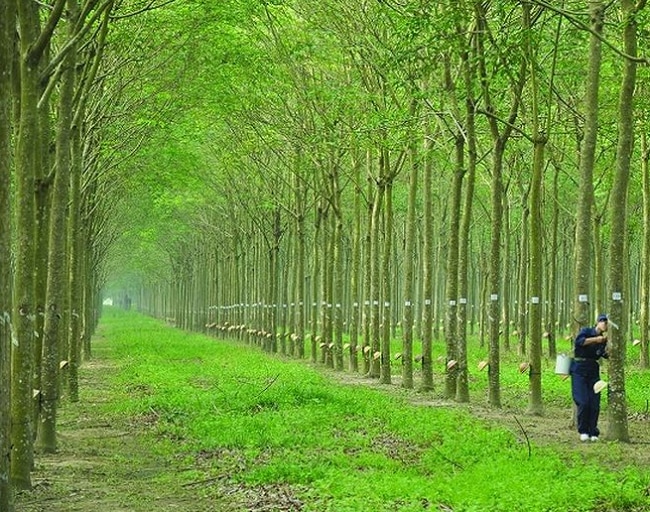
{"type": "Point", "coordinates": [594, 438]}
{"type": "Point", "coordinates": [584, 437]}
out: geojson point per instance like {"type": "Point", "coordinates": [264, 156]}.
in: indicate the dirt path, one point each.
{"type": "Point", "coordinates": [107, 466]}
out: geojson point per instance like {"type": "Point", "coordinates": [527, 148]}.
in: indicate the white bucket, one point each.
{"type": "Point", "coordinates": [562, 364]}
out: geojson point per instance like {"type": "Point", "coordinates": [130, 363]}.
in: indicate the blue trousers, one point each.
{"type": "Point", "coordinates": [584, 374]}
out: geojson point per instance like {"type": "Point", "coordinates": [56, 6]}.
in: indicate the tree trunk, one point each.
{"type": "Point", "coordinates": [583, 259]}
{"type": "Point", "coordinates": [274, 279]}
{"type": "Point", "coordinates": [375, 282]}
{"type": "Point", "coordinates": [338, 291]}
{"type": "Point", "coordinates": [387, 250]}
{"type": "Point", "coordinates": [7, 26]}
{"type": "Point", "coordinates": [367, 280]}
{"type": "Point", "coordinates": [24, 314]}
{"type": "Point", "coordinates": [355, 286]}
{"type": "Point", "coordinates": [494, 387]}
{"type": "Point", "coordinates": [462, 384]}
{"type": "Point", "coordinates": [326, 288]}
{"type": "Point", "coordinates": [522, 274]}
{"type": "Point", "coordinates": [508, 265]}
{"type": "Point", "coordinates": [499, 139]}
{"type": "Point", "coordinates": [536, 273]}
{"type": "Point", "coordinates": [536, 270]}
{"type": "Point", "coordinates": [409, 265]}
{"type": "Point", "coordinates": [644, 318]}
{"type": "Point", "coordinates": [618, 426]}
{"type": "Point", "coordinates": [451, 286]}
{"type": "Point", "coordinates": [427, 267]}
{"type": "Point", "coordinates": [300, 277]}
{"type": "Point", "coordinates": [75, 246]}
{"type": "Point", "coordinates": [56, 267]}
{"type": "Point", "coordinates": [42, 205]}
{"type": "Point", "coordinates": [338, 295]}
{"type": "Point", "coordinates": [315, 285]}
{"type": "Point", "coordinates": [551, 330]}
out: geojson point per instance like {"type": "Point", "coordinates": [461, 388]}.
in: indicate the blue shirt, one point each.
{"type": "Point", "coordinates": [593, 351]}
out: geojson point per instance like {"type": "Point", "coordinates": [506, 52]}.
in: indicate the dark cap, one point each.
{"type": "Point", "coordinates": [602, 318]}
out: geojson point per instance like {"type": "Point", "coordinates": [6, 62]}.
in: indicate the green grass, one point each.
{"type": "Point", "coordinates": [230, 412]}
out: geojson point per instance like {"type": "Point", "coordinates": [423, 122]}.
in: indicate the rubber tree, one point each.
{"type": "Point", "coordinates": [375, 269]}
{"type": "Point", "coordinates": [426, 358]}
{"type": "Point", "coordinates": [7, 24]}
{"type": "Point", "coordinates": [539, 139]}
{"type": "Point", "coordinates": [338, 250]}
{"type": "Point", "coordinates": [583, 255]}
{"type": "Point", "coordinates": [454, 364]}
{"type": "Point", "coordinates": [468, 79]}
{"type": "Point", "coordinates": [618, 425]}
{"type": "Point", "coordinates": [96, 190]}
{"type": "Point", "coordinates": [300, 254]}
{"type": "Point", "coordinates": [33, 42]}
{"type": "Point", "coordinates": [644, 317]}
{"type": "Point", "coordinates": [56, 263]}
{"type": "Point", "coordinates": [356, 270]}
{"type": "Point", "coordinates": [408, 315]}
{"type": "Point", "coordinates": [500, 136]}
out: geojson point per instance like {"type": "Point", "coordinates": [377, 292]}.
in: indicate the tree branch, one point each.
{"type": "Point", "coordinates": [36, 51]}
{"type": "Point", "coordinates": [505, 122]}
{"type": "Point", "coordinates": [149, 7]}
{"type": "Point", "coordinates": [583, 26]}
{"type": "Point", "coordinates": [80, 33]}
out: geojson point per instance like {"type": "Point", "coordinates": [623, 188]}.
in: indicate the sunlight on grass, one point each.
{"type": "Point", "coordinates": [229, 411]}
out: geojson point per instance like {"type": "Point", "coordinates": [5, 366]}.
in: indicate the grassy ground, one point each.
{"type": "Point", "coordinates": [171, 421]}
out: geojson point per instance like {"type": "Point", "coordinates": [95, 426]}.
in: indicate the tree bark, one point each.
{"type": "Point", "coordinates": [427, 267]}
{"type": "Point", "coordinates": [551, 329]}
{"type": "Point", "coordinates": [494, 387]}
{"type": "Point", "coordinates": [462, 384]}
{"type": "Point", "coordinates": [56, 267]}
{"type": "Point", "coordinates": [375, 281]}
{"type": "Point", "coordinates": [338, 292]}
{"type": "Point", "coordinates": [583, 258]}
{"type": "Point", "coordinates": [33, 41]}
{"type": "Point", "coordinates": [536, 271]}
{"type": "Point", "coordinates": [356, 278]}
{"type": "Point", "coordinates": [367, 279]}
{"type": "Point", "coordinates": [451, 285]}
{"type": "Point", "coordinates": [409, 265]}
{"type": "Point", "coordinates": [644, 318]}
{"type": "Point", "coordinates": [499, 139]}
{"type": "Point", "coordinates": [387, 252]}
{"type": "Point", "coordinates": [316, 285]}
{"type": "Point", "coordinates": [75, 246]}
{"type": "Point", "coordinates": [7, 25]}
{"type": "Point", "coordinates": [618, 425]}
{"type": "Point", "coordinates": [300, 273]}
{"type": "Point", "coordinates": [522, 276]}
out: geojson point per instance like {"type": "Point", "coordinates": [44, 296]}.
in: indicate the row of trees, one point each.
{"type": "Point", "coordinates": [415, 164]}
{"type": "Point", "coordinates": [82, 85]}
